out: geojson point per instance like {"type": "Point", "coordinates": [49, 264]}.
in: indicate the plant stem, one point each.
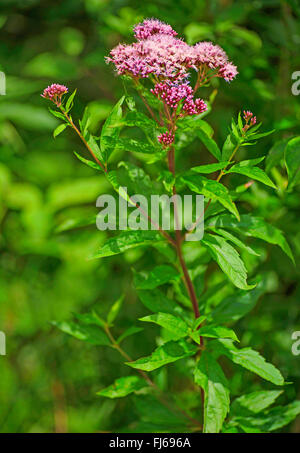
{"type": "Point", "coordinates": [104, 168]}
{"type": "Point", "coordinates": [83, 139]}
{"type": "Point", "coordinates": [221, 174]}
{"type": "Point", "coordinates": [149, 381]}
{"type": "Point", "coordinates": [187, 278]}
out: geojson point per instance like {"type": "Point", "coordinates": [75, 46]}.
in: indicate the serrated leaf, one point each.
{"type": "Point", "coordinates": [228, 259]}
{"type": "Point", "coordinates": [272, 420]}
{"type": "Point", "coordinates": [212, 190]}
{"type": "Point", "coordinates": [253, 226]}
{"type": "Point", "coordinates": [170, 322]}
{"type": "Point", "coordinates": [209, 376]}
{"type": "Point", "coordinates": [251, 360]}
{"type": "Point", "coordinates": [122, 387]}
{"type": "Point", "coordinates": [136, 146]}
{"type": "Point", "coordinates": [59, 129]}
{"type": "Point", "coordinates": [167, 353]}
{"type": "Point", "coordinates": [230, 237]}
{"type": "Point", "coordinates": [157, 277]}
{"type": "Point", "coordinates": [292, 161]}
{"type": "Point", "coordinates": [125, 241]}
{"type": "Point", "coordinates": [255, 402]}
{"type": "Point", "coordinates": [213, 331]}
{"type": "Point", "coordinates": [245, 168]}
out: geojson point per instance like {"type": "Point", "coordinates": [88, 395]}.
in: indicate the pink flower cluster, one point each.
{"type": "Point", "coordinates": [54, 93]}
{"type": "Point", "coordinates": [249, 118]}
{"type": "Point", "coordinates": [173, 93]}
{"type": "Point", "coordinates": [151, 27]}
{"type": "Point", "coordinates": [194, 107]}
{"type": "Point", "coordinates": [166, 139]}
{"type": "Point", "coordinates": [158, 51]}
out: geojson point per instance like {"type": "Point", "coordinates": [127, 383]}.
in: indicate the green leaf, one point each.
{"type": "Point", "coordinates": [245, 168]}
{"type": "Point", "coordinates": [88, 162]}
{"type": "Point", "coordinates": [157, 277]}
{"type": "Point", "coordinates": [89, 333]}
{"type": "Point", "coordinates": [292, 161]}
{"type": "Point", "coordinates": [213, 331]}
{"type": "Point", "coordinates": [70, 100]}
{"type": "Point", "coordinates": [228, 259]}
{"type": "Point", "coordinates": [156, 301]}
{"type": "Point", "coordinates": [128, 332]}
{"type": "Point", "coordinates": [272, 420]}
{"type": "Point", "coordinates": [111, 129]}
{"type": "Point", "coordinates": [57, 114]}
{"type": "Point", "coordinates": [123, 386]}
{"type": "Point", "coordinates": [254, 136]}
{"type": "Point", "coordinates": [125, 241]}
{"type": "Point", "coordinates": [138, 119]}
{"type": "Point", "coordinates": [209, 168]}
{"type": "Point", "coordinates": [209, 376]}
{"type": "Point", "coordinates": [211, 189]}
{"type": "Point", "coordinates": [136, 146]}
{"type": "Point", "coordinates": [229, 147]}
{"type": "Point", "coordinates": [167, 353]}
{"type": "Point", "coordinates": [251, 360]}
{"type": "Point", "coordinates": [254, 402]}
{"type": "Point", "coordinates": [170, 322]}
{"type": "Point", "coordinates": [253, 226]}
{"type": "Point", "coordinates": [275, 155]}
{"type": "Point", "coordinates": [210, 144]}
{"type": "Point", "coordinates": [59, 129]}
{"type": "Point", "coordinates": [114, 311]}
{"type": "Point", "coordinates": [72, 223]}
{"type": "Point", "coordinates": [90, 319]}
{"type": "Point", "coordinates": [91, 141]}
{"type": "Point", "coordinates": [85, 122]}
{"type": "Point", "coordinates": [235, 241]}
{"type": "Point", "coordinates": [237, 305]}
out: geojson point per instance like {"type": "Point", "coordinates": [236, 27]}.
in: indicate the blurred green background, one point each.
{"type": "Point", "coordinates": [48, 380]}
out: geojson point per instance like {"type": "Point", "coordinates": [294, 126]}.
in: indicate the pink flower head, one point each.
{"type": "Point", "coordinates": [213, 57]}
{"type": "Point", "coordinates": [228, 72]}
{"type": "Point", "coordinates": [249, 119]}
{"type": "Point", "coordinates": [172, 93]}
{"type": "Point", "coordinates": [206, 53]}
{"type": "Point", "coordinates": [166, 139]}
{"type": "Point", "coordinates": [151, 27]}
{"type": "Point", "coordinates": [162, 55]}
{"type": "Point", "coordinates": [55, 93]}
{"type": "Point", "coordinates": [194, 107]}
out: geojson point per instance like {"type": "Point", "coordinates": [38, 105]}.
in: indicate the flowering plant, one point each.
{"type": "Point", "coordinates": [168, 75]}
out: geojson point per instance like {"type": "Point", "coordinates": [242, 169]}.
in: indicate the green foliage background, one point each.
{"type": "Point", "coordinates": [49, 380]}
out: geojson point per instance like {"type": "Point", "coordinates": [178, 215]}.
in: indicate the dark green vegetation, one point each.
{"type": "Point", "coordinates": [49, 380]}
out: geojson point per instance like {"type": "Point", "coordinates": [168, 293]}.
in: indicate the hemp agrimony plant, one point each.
{"type": "Point", "coordinates": [170, 79]}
